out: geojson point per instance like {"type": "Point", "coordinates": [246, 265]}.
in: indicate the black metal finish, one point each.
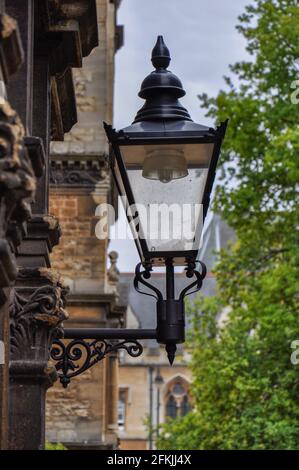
{"type": "Point", "coordinates": [108, 333]}
{"type": "Point", "coordinates": [170, 311]}
{"type": "Point", "coordinates": [169, 279]}
{"type": "Point", "coordinates": [73, 358]}
{"type": "Point", "coordinates": [159, 133]}
{"type": "Point", "coordinates": [161, 121]}
{"type": "Point", "coordinates": [88, 346]}
{"type": "Point", "coordinates": [161, 90]}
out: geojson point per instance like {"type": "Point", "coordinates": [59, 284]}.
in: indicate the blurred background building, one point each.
{"type": "Point", "coordinates": [56, 87]}
{"type": "Point", "coordinates": [150, 390]}
{"type": "Point", "coordinates": [85, 415]}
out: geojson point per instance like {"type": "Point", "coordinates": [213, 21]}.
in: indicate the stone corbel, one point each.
{"type": "Point", "coordinates": [43, 233]}
{"type": "Point", "coordinates": [84, 13]}
{"type": "Point", "coordinates": [67, 31]}
{"type": "Point", "coordinates": [63, 104]}
{"type": "Point", "coordinates": [119, 36]}
{"type": "Point", "coordinates": [36, 315]}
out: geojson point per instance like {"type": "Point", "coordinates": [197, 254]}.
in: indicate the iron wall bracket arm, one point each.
{"type": "Point", "coordinates": [88, 346]}
{"type": "Point", "coordinates": [80, 353]}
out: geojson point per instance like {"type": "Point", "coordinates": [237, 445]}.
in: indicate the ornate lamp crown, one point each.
{"type": "Point", "coordinates": [161, 90]}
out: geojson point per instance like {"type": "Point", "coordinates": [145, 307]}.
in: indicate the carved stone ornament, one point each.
{"type": "Point", "coordinates": [17, 187]}
{"type": "Point", "coordinates": [81, 172]}
{"type": "Point", "coordinates": [113, 271]}
{"type": "Point", "coordinates": [36, 314]}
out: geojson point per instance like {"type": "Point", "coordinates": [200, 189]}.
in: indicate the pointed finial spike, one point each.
{"type": "Point", "coordinates": [170, 349]}
{"type": "Point", "coordinates": [160, 54]}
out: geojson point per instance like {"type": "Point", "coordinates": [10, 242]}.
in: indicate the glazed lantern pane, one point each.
{"type": "Point", "coordinates": [168, 183]}
{"type": "Point", "coordinates": [164, 167]}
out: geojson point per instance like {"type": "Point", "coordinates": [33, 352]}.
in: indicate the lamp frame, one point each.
{"type": "Point", "coordinates": [117, 139]}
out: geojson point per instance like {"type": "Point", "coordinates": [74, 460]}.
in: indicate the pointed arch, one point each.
{"type": "Point", "coordinates": [177, 400]}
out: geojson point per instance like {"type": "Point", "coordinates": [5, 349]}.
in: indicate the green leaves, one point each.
{"type": "Point", "coordinates": [245, 389]}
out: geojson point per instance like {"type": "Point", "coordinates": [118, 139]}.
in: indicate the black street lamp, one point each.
{"type": "Point", "coordinates": [163, 157]}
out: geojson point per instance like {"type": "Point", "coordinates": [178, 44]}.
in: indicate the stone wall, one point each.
{"type": "Point", "coordinates": [81, 416]}
{"type": "Point", "coordinates": [75, 416]}
{"type": "Point", "coordinates": [94, 91]}
{"type": "Point", "coordinates": [80, 254]}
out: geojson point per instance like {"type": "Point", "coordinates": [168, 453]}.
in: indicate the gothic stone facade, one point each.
{"type": "Point", "coordinates": [85, 414]}
{"type": "Point", "coordinates": [41, 41]}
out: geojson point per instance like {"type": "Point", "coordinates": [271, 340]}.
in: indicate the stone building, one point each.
{"type": "Point", "coordinates": [85, 415]}
{"type": "Point", "coordinates": [150, 390]}
{"type": "Point", "coordinates": [41, 42]}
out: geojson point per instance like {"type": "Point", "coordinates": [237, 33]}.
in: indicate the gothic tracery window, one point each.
{"type": "Point", "coordinates": [177, 400]}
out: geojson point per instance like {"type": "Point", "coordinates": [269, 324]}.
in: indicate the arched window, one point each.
{"type": "Point", "coordinates": [171, 408]}
{"type": "Point", "coordinates": [185, 406]}
{"type": "Point", "coordinates": [177, 401]}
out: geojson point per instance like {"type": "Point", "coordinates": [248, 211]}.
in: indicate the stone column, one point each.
{"type": "Point", "coordinates": [3, 375]}
{"type": "Point", "coordinates": [35, 302]}
{"type": "Point", "coordinates": [17, 184]}
{"type": "Point", "coordinates": [37, 313]}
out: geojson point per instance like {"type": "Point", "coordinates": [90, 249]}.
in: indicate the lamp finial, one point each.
{"type": "Point", "coordinates": [160, 54]}
{"type": "Point", "coordinates": [161, 90]}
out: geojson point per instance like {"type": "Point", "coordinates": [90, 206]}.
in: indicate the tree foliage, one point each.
{"type": "Point", "coordinates": [245, 389]}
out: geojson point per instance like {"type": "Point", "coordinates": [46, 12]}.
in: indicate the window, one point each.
{"type": "Point", "coordinates": [171, 408]}
{"type": "Point", "coordinates": [121, 415]}
{"type": "Point", "coordinates": [177, 399]}
{"type": "Point", "coordinates": [185, 407]}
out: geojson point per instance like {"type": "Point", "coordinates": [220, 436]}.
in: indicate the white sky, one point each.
{"type": "Point", "coordinates": [202, 40]}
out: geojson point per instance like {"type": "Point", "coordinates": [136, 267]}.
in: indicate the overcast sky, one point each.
{"type": "Point", "coordinates": [202, 40]}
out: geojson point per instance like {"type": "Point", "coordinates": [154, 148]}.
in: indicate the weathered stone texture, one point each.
{"type": "Point", "coordinates": [82, 415]}
{"type": "Point", "coordinates": [80, 254]}
{"type": "Point", "coordinates": [94, 91]}
{"type": "Point", "coordinates": [75, 415]}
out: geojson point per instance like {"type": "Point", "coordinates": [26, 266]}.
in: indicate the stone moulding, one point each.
{"type": "Point", "coordinates": [66, 32]}
{"type": "Point", "coordinates": [84, 172]}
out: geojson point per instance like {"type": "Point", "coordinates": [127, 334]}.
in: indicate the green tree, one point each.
{"type": "Point", "coordinates": [245, 389]}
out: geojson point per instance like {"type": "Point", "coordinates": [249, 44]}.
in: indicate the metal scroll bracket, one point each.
{"type": "Point", "coordinates": [85, 347]}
